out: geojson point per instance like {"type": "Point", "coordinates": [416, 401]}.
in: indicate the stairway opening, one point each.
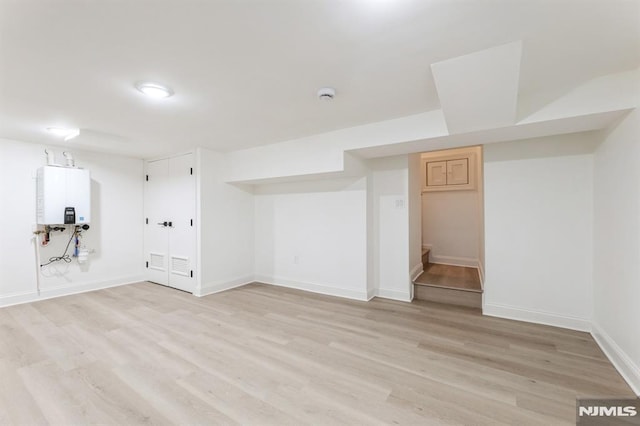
{"type": "Point", "coordinates": [452, 228]}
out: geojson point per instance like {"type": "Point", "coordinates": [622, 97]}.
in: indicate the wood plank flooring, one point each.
{"type": "Point", "coordinates": [448, 276]}
{"type": "Point", "coordinates": [265, 355]}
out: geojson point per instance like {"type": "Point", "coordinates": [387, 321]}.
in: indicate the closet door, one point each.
{"type": "Point", "coordinates": [182, 234]}
{"type": "Point", "coordinates": [170, 237]}
{"type": "Point", "coordinates": [156, 235]}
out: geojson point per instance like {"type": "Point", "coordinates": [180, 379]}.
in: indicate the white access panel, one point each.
{"type": "Point", "coordinates": [458, 172]}
{"type": "Point", "coordinates": [437, 173]}
{"type": "Point", "coordinates": [58, 188]}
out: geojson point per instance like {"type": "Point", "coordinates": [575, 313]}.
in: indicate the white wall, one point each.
{"type": "Point", "coordinates": [451, 219]}
{"type": "Point", "coordinates": [115, 234]}
{"type": "Point", "coordinates": [390, 192]}
{"type": "Point", "coordinates": [481, 241]}
{"type": "Point", "coordinates": [450, 226]}
{"type": "Point", "coordinates": [539, 230]}
{"type": "Point", "coordinates": [415, 216]}
{"type": "Point", "coordinates": [225, 218]}
{"type": "Point", "coordinates": [616, 268]}
{"type": "Point", "coordinates": [313, 236]}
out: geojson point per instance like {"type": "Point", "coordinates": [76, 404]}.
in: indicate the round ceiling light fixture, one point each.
{"type": "Point", "coordinates": [62, 132]}
{"type": "Point", "coordinates": [326, 93]}
{"type": "Point", "coordinates": [154, 90]}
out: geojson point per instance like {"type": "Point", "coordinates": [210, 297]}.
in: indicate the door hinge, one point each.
{"type": "Point", "coordinates": [146, 264]}
{"type": "Point", "coordinates": [191, 222]}
{"type": "Point", "coordinates": [147, 178]}
{"type": "Point", "coordinates": [191, 170]}
{"type": "Point", "coordinates": [191, 274]}
{"type": "Point", "coordinates": [146, 221]}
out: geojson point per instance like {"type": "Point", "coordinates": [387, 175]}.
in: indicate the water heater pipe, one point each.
{"type": "Point", "coordinates": [36, 238]}
{"type": "Point", "coordinates": [51, 158]}
{"type": "Point", "coordinates": [70, 161]}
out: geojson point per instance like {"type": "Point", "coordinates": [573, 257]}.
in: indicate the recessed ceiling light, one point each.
{"type": "Point", "coordinates": [154, 90]}
{"type": "Point", "coordinates": [62, 132]}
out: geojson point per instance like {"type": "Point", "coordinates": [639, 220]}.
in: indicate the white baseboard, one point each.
{"type": "Point", "coordinates": [453, 261]}
{"type": "Point", "coordinates": [371, 293]}
{"type": "Point", "coordinates": [620, 360]}
{"type": "Point", "coordinates": [66, 290]}
{"type": "Point", "coordinates": [314, 288]}
{"type": "Point", "coordinates": [394, 295]}
{"type": "Point", "coordinates": [537, 317]}
{"type": "Point", "coordinates": [218, 286]}
{"type": "Point", "coordinates": [416, 271]}
{"type": "Point", "coordinates": [481, 273]}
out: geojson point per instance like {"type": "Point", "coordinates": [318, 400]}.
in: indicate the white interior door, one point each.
{"type": "Point", "coordinates": [156, 235]}
{"type": "Point", "coordinates": [182, 235]}
{"type": "Point", "coordinates": [170, 237]}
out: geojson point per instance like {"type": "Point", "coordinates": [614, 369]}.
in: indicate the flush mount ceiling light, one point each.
{"type": "Point", "coordinates": [62, 132]}
{"type": "Point", "coordinates": [326, 93]}
{"type": "Point", "coordinates": [154, 90]}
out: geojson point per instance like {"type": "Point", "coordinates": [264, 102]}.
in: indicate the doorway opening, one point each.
{"type": "Point", "coordinates": [452, 205]}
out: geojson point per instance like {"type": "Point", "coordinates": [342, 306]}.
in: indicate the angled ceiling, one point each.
{"type": "Point", "coordinates": [246, 72]}
{"type": "Point", "coordinates": [479, 90]}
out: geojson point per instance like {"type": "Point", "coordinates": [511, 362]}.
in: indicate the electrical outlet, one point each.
{"type": "Point", "coordinates": [296, 260]}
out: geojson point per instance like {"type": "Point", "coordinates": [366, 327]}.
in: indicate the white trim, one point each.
{"type": "Point", "coordinates": [312, 287]}
{"type": "Point", "coordinates": [416, 271]}
{"type": "Point", "coordinates": [537, 317]}
{"type": "Point", "coordinates": [371, 293]}
{"type": "Point", "coordinates": [218, 286]}
{"type": "Point", "coordinates": [620, 360]}
{"type": "Point", "coordinates": [197, 163]}
{"type": "Point", "coordinates": [394, 295]}
{"type": "Point", "coordinates": [165, 157]}
{"type": "Point", "coordinates": [66, 290]}
{"type": "Point", "coordinates": [481, 273]}
{"type": "Point", "coordinates": [453, 261]}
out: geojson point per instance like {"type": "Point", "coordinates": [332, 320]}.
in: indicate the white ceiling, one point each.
{"type": "Point", "coordinates": [246, 72]}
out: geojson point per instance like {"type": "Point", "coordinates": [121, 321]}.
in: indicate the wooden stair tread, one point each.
{"type": "Point", "coordinates": [452, 285]}
{"type": "Point", "coordinates": [473, 290]}
{"type": "Point", "coordinates": [448, 296]}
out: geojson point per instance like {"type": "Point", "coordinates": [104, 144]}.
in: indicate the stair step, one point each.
{"type": "Point", "coordinates": [450, 287]}
{"type": "Point", "coordinates": [449, 296]}
{"type": "Point", "coordinates": [425, 257]}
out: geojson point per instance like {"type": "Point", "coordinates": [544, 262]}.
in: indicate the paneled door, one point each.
{"type": "Point", "coordinates": [170, 237]}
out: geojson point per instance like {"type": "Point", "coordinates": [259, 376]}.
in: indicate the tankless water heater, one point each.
{"type": "Point", "coordinates": [63, 196]}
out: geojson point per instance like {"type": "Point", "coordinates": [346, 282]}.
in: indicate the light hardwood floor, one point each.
{"type": "Point", "coordinates": [266, 355]}
{"type": "Point", "coordinates": [447, 276]}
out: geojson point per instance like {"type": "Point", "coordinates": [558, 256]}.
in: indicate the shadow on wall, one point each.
{"type": "Point", "coordinates": [545, 147]}
{"type": "Point", "coordinates": [93, 237]}
{"type": "Point", "coordinates": [311, 186]}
